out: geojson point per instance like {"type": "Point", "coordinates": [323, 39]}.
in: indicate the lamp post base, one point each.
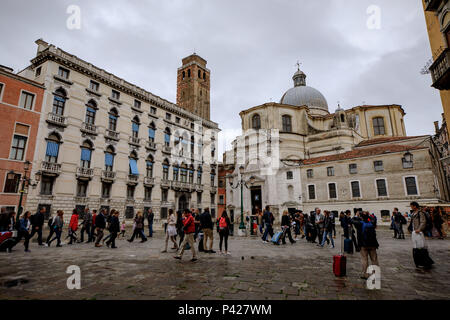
{"type": "Point", "coordinates": [242, 233]}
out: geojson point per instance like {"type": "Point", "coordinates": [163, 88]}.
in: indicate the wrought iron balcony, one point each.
{"type": "Point", "coordinates": [165, 183]}
{"type": "Point", "coordinates": [440, 71]}
{"type": "Point", "coordinates": [432, 5]}
{"type": "Point", "coordinates": [56, 119]}
{"type": "Point", "coordinates": [149, 181]}
{"type": "Point", "coordinates": [85, 173]}
{"type": "Point", "coordinates": [134, 141]}
{"type": "Point", "coordinates": [198, 187]}
{"type": "Point", "coordinates": [113, 135]}
{"type": "Point", "coordinates": [167, 149]}
{"type": "Point", "coordinates": [51, 168]}
{"type": "Point", "coordinates": [108, 176]}
{"type": "Point", "coordinates": [151, 145]}
{"type": "Point", "coordinates": [89, 128]}
{"type": "Point", "coordinates": [133, 179]}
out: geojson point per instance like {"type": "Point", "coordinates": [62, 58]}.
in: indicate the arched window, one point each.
{"type": "Point", "coordinates": [59, 102]}
{"type": "Point", "coordinates": [109, 158]}
{"type": "Point", "coordinates": [213, 177]}
{"type": "Point", "coordinates": [287, 123]}
{"type": "Point", "coordinates": [192, 146]}
{"type": "Point", "coordinates": [133, 164]}
{"type": "Point", "coordinates": [342, 117]}
{"type": "Point", "coordinates": [256, 122]}
{"type": "Point", "coordinates": [378, 126]}
{"type": "Point", "coordinates": [86, 154]}
{"type": "Point", "coordinates": [149, 166]}
{"type": "Point", "coordinates": [151, 132]}
{"type": "Point", "coordinates": [167, 137]}
{"type": "Point", "coordinates": [135, 127]}
{"type": "Point", "coordinates": [113, 115]}
{"type": "Point", "coordinates": [183, 173]}
{"type": "Point", "coordinates": [53, 143]}
{"type": "Point", "coordinates": [175, 170]}
{"type": "Point", "coordinates": [191, 174]}
{"type": "Point", "coordinates": [90, 112]}
{"type": "Point", "coordinates": [166, 165]}
{"type": "Point", "coordinates": [199, 175]}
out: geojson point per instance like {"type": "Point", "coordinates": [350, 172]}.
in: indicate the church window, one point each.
{"type": "Point", "coordinates": [411, 186]}
{"type": "Point", "coordinates": [289, 175]}
{"type": "Point", "coordinates": [312, 192]}
{"type": "Point", "coordinates": [330, 171]}
{"type": "Point", "coordinates": [184, 75]}
{"type": "Point", "coordinates": [342, 118]}
{"type": "Point", "coordinates": [204, 76]}
{"type": "Point", "coordinates": [310, 173]}
{"type": "Point", "coordinates": [256, 122]}
{"type": "Point", "coordinates": [332, 193]}
{"type": "Point", "coordinates": [353, 168]}
{"type": "Point", "coordinates": [378, 126]}
{"type": "Point", "coordinates": [199, 74]}
{"type": "Point", "coordinates": [287, 123]}
{"type": "Point", "coordinates": [378, 166]}
{"type": "Point", "coordinates": [189, 73]}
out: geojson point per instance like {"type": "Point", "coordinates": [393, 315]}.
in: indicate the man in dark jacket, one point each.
{"type": "Point", "coordinates": [268, 223]}
{"type": "Point", "coordinates": [328, 229]}
{"type": "Point", "coordinates": [207, 226]}
{"type": "Point", "coordinates": [286, 227]}
{"type": "Point", "coordinates": [37, 222]}
{"type": "Point", "coordinates": [100, 224]}
{"type": "Point", "coordinates": [368, 243]}
{"type": "Point", "coordinates": [87, 225]}
{"type": "Point", "coordinates": [114, 229]}
{"type": "Point", "coordinates": [150, 218]}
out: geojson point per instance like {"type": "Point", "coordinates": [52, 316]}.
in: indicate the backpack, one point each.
{"type": "Point", "coordinates": [50, 222]}
{"type": "Point", "coordinates": [369, 234]}
{"type": "Point", "coordinates": [33, 219]}
{"type": "Point", "coordinates": [222, 223]}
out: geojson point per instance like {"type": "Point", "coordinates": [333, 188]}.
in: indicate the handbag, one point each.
{"type": "Point", "coordinates": [418, 240]}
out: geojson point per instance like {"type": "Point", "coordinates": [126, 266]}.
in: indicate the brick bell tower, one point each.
{"type": "Point", "coordinates": [193, 86]}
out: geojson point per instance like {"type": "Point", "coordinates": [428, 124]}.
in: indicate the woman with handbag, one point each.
{"type": "Point", "coordinates": [416, 228]}
{"type": "Point", "coordinates": [224, 231]}
{"type": "Point", "coordinates": [171, 231]}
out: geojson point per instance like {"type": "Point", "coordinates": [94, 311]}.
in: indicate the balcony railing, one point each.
{"type": "Point", "coordinates": [440, 71]}
{"type": "Point", "coordinates": [151, 145]}
{"type": "Point", "coordinates": [51, 168]}
{"type": "Point", "coordinates": [114, 135]}
{"type": "Point", "coordinates": [85, 172]}
{"type": "Point", "coordinates": [432, 5]}
{"type": "Point", "coordinates": [133, 178]}
{"type": "Point", "coordinates": [135, 141]}
{"type": "Point", "coordinates": [89, 128]}
{"type": "Point", "coordinates": [149, 181]}
{"type": "Point", "coordinates": [56, 119]}
{"type": "Point", "coordinates": [108, 175]}
{"type": "Point", "coordinates": [165, 183]}
{"type": "Point", "coordinates": [198, 187]}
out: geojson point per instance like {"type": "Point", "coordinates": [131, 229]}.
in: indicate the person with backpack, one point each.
{"type": "Point", "coordinates": [368, 243]}
{"type": "Point", "coordinates": [24, 229]}
{"type": "Point", "coordinates": [224, 231]}
{"type": "Point", "coordinates": [57, 226]}
{"type": "Point", "coordinates": [399, 221]}
{"type": "Point", "coordinates": [139, 228]}
{"type": "Point", "coordinates": [86, 226]}
{"type": "Point", "coordinates": [286, 227]}
{"type": "Point", "coordinates": [50, 223]}
{"type": "Point", "coordinates": [73, 226]}
{"type": "Point", "coordinates": [37, 222]}
{"type": "Point", "coordinates": [319, 224]}
{"type": "Point", "coordinates": [206, 225]}
{"type": "Point", "coordinates": [114, 228]}
{"type": "Point", "coordinates": [268, 220]}
{"type": "Point", "coordinates": [100, 225]}
{"type": "Point", "coordinates": [328, 229]}
{"type": "Point", "coordinates": [189, 230]}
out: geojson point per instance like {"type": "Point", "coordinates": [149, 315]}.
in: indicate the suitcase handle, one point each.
{"type": "Point", "coordinates": [342, 245]}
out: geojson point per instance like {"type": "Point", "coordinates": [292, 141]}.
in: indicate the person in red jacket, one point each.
{"type": "Point", "coordinates": [73, 226]}
{"type": "Point", "coordinates": [189, 230]}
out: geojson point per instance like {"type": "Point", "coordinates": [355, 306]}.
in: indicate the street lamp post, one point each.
{"type": "Point", "coordinates": [25, 179]}
{"type": "Point", "coordinates": [241, 183]}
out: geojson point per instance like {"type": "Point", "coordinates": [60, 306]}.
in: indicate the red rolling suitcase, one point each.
{"type": "Point", "coordinates": [340, 263]}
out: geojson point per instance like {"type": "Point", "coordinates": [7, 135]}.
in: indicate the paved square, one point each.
{"type": "Point", "coordinates": [254, 271]}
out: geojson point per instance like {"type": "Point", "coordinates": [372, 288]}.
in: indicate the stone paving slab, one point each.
{"type": "Point", "coordinates": [254, 271]}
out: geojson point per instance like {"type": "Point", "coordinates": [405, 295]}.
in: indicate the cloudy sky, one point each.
{"type": "Point", "coordinates": [251, 46]}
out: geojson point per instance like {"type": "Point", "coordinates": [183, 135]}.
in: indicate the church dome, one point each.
{"type": "Point", "coordinates": [302, 95]}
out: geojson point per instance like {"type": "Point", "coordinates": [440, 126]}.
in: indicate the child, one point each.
{"type": "Point", "coordinates": [122, 228]}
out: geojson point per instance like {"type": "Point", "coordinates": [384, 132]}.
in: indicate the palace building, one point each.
{"type": "Point", "coordinates": [106, 143]}
{"type": "Point", "coordinates": [301, 156]}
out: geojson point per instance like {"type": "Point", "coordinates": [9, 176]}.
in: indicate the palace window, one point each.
{"type": "Point", "coordinates": [330, 171]}
{"type": "Point", "coordinates": [130, 192]}
{"type": "Point", "coordinates": [356, 192]}
{"type": "Point", "coordinates": [167, 137]}
{"type": "Point", "coordinates": [94, 86]}
{"type": "Point", "coordinates": [115, 95]}
{"type": "Point", "coordinates": [18, 147]}
{"type": "Point", "coordinates": [312, 192]}
{"type": "Point", "coordinates": [86, 154]}
{"type": "Point", "coordinates": [52, 151]}
{"type": "Point", "coordinates": [26, 100]}
{"type": "Point", "coordinates": [378, 126]}
{"type": "Point", "coordinates": [109, 158]}
{"type": "Point", "coordinates": [149, 165]}
{"type": "Point", "coordinates": [352, 168]}
{"type": "Point", "coordinates": [148, 193]}
{"type": "Point", "coordinates": [287, 123]}
{"type": "Point", "coordinates": [332, 192]}
{"type": "Point", "coordinates": [133, 167]}
{"type": "Point", "coordinates": [164, 195]}
{"type": "Point", "coordinates": [63, 73]}
{"type": "Point", "coordinates": [151, 132]}
{"type": "Point", "coordinates": [59, 102]}
{"type": "Point", "coordinates": [135, 127]}
{"type": "Point", "coordinates": [310, 173]}
{"type": "Point", "coordinates": [289, 175]}
{"type": "Point", "coordinates": [106, 190]}
{"type": "Point", "coordinates": [381, 187]}
{"type": "Point", "coordinates": [165, 175]}
{"type": "Point", "coordinates": [411, 186]}
{"type": "Point", "coordinates": [90, 112]}
{"type": "Point", "coordinates": [82, 189]}
{"type": "Point", "coordinates": [112, 124]}
{"type": "Point", "coordinates": [12, 185]}
{"type": "Point", "coordinates": [256, 122]}
{"type": "Point", "coordinates": [47, 185]}
{"type": "Point", "coordinates": [175, 173]}
{"type": "Point", "coordinates": [378, 166]}
{"type": "Point", "coordinates": [137, 104]}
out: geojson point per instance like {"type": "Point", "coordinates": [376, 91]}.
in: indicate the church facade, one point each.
{"type": "Point", "coordinates": [299, 155]}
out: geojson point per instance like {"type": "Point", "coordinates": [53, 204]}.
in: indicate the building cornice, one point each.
{"type": "Point", "coordinates": [20, 78]}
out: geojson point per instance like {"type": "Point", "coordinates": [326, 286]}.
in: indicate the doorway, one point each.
{"type": "Point", "coordinates": [256, 199]}
{"type": "Point", "coordinates": [182, 203]}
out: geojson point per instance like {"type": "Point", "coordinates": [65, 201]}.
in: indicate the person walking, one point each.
{"type": "Point", "coordinates": [100, 224]}
{"type": "Point", "coordinates": [24, 229]}
{"type": "Point", "coordinates": [399, 221]}
{"type": "Point", "coordinates": [37, 222]}
{"type": "Point", "coordinates": [319, 219]}
{"type": "Point", "coordinates": [50, 224]}
{"type": "Point", "coordinates": [368, 243]}
{"type": "Point", "coordinates": [180, 231]}
{"type": "Point", "coordinates": [417, 227]}
{"type": "Point", "coordinates": [224, 231]}
{"type": "Point", "coordinates": [57, 226]}
{"type": "Point", "coordinates": [328, 229]}
{"type": "Point", "coordinates": [94, 216]}
{"type": "Point", "coordinates": [268, 220]}
{"type": "Point", "coordinates": [206, 225]}
{"type": "Point", "coordinates": [171, 231]}
{"type": "Point", "coordinates": [150, 218]}
{"type": "Point", "coordinates": [139, 228]}
{"type": "Point", "coordinates": [355, 235]}
{"type": "Point", "coordinates": [123, 228]}
{"type": "Point", "coordinates": [86, 226]}
{"type": "Point", "coordinates": [189, 230]}
{"type": "Point", "coordinates": [73, 226]}
{"type": "Point", "coordinates": [114, 228]}
{"type": "Point", "coordinates": [196, 214]}
{"type": "Point", "coordinates": [438, 222]}
{"type": "Point", "coordinates": [286, 227]}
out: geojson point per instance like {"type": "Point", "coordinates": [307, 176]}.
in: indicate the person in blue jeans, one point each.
{"type": "Point", "coordinates": [328, 229]}
{"type": "Point", "coordinates": [268, 222]}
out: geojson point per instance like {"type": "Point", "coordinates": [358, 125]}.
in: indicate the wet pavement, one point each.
{"type": "Point", "coordinates": [254, 270]}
